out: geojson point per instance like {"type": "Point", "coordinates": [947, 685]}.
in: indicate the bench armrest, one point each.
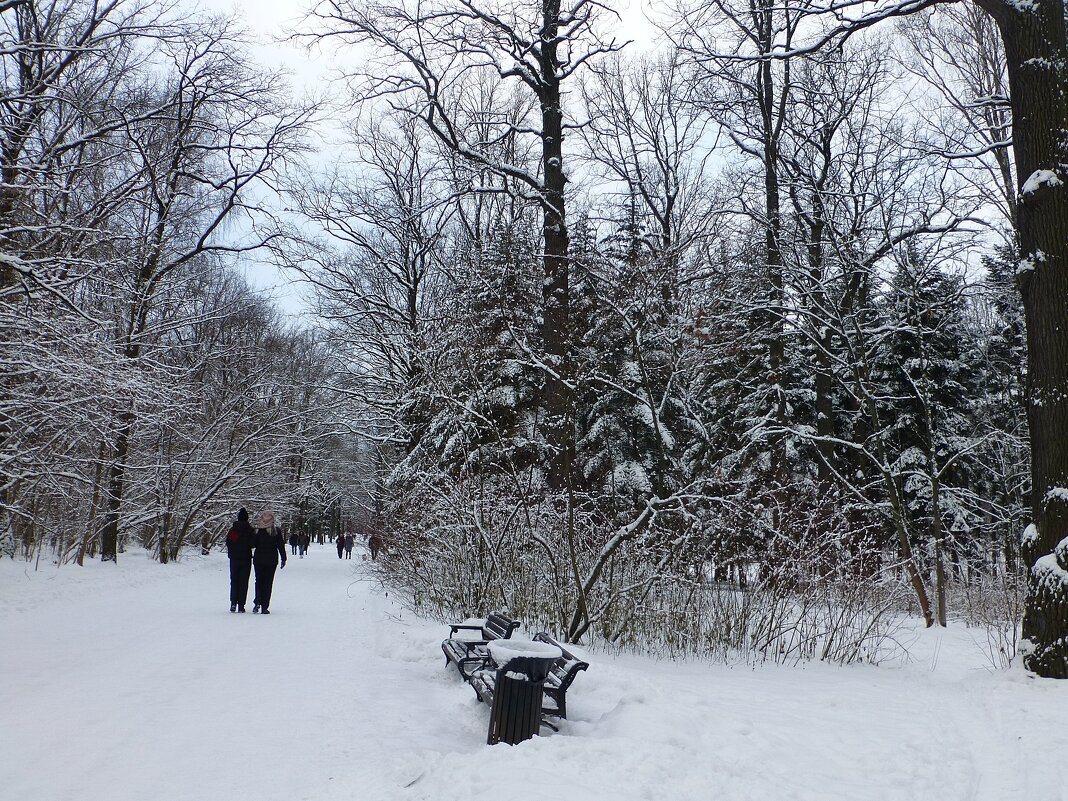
{"type": "Point", "coordinates": [455, 627]}
{"type": "Point", "coordinates": [473, 664]}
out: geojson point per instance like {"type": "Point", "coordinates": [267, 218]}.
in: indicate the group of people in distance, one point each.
{"type": "Point", "coordinates": [344, 543]}
{"type": "Point", "coordinates": [299, 542]}
{"type": "Point", "coordinates": [260, 546]}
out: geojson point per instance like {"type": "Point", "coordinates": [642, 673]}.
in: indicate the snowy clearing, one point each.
{"type": "Point", "coordinates": [135, 683]}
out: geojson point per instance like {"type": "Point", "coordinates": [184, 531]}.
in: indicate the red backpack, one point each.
{"type": "Point", "coordinates": [232, 535]}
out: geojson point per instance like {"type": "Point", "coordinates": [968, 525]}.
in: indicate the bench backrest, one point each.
{"type": "Point", "coordinates": [567, 666]}
{"type": "Point", "coordinates": [499, 627]}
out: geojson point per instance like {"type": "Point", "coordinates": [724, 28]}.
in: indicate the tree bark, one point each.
{"type": "Point", "coordinates": [555, 287]}
{"type": "Point", "coordinates": [1035, 48]}
{"type": "Point", "coordinates": [109, 534]}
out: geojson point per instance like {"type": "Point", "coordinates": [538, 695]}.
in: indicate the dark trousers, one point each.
{"type": "Point", "coordinates": [239, 571]}
{"type": "Point", "coordinates": [339, 549]}
{"type": "Point", "coordinates": [264, 582]}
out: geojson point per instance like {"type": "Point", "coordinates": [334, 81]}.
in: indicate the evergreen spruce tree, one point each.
{"type": "Point", "coordinates": [489, 422]}
{"type": "Point", "coordinates": [1004, 482]}
{"type": "Point", "coordinates": [930, 374]}
{"type": "Point", "coordinates": [630, 425]}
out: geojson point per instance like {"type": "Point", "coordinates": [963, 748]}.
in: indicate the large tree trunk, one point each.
{"type": "Point", "coordinates": [1035, 48]}
{"type": "Point", "coordinates": [555, 313]}
{"type": "Point", "coordinates": [771, 99]}
{"type": "Point", "coordinates": [109, 534]}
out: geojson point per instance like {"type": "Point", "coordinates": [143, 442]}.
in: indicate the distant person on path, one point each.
{"type": "Point", "coordinates": [239, 542]}
{"type": "Point", "coordinates": [374, 544]}
{"type": "Point", "coordinates": [303, 541]}
{"type": "Point", "coordinates": [340, 544]}
{"type": "Point", "coordinates": [294, 542]}
{"type": "Point", "coordinates": [270, 547]}
{"type": "Point", "coordinates": [348, 544]}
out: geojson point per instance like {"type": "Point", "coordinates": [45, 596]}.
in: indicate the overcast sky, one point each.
{"type": "Point", "coordinates": [272, 20]}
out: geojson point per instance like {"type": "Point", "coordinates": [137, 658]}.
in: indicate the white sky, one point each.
{"type": "Point", "coordinates": [273, 20]}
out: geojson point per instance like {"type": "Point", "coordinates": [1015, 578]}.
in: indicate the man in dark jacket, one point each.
{"type": "Point", "coordinates": [270, 546]}
{"type": "Point", "coordinates": [239, 542]}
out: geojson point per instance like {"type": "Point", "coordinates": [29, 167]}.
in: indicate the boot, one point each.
{"type": "Point", "coordinates": [241, 608]}
{"type": "Point", "coordinates": [266, 611]}
{"type": "Point", "coordinates": [233, 607]}
{"type": "Point", "coordinates": [256, 609]}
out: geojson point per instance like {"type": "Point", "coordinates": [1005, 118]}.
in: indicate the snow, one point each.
{"type": "Point", "coordinates": [503, 651]}
{"type": "Point", "coordinates": [504, 396]}
{"type": "Point", "coordinates": [1038, 179]}
{"type": "Point", "coordinates": [631, 476]}
{"type": "Point", "coordinates": [1048, 572]}
{"type": "Point", "coordinates": [1030, 263]}
{"type": "Point", "coordinates": [133, 681]}
{"type": "Point", "coordinates": [1030, 535]}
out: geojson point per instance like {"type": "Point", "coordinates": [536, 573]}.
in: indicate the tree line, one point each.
{"type": "Point", "coordinates": [729, 336]}
{"type": "Point", "coordinates": [148, 391]}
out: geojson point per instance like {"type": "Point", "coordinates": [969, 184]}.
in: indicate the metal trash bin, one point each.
{"type": "Point", "coordinates": [516, 712]}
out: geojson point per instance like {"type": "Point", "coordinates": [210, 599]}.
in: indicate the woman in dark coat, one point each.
{"type": "Point", "coordinates": [270, 547]}
{"type": "Point", "coordinates": [239, 543]}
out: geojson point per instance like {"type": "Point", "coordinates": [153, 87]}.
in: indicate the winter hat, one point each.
{"type": "Point", "coordinates": [242, 515]}
{"type": "Point", "coordinates": [266, 520]}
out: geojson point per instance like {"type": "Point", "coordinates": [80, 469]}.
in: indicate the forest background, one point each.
{"type": "Point", "coordinates": [691, 347]}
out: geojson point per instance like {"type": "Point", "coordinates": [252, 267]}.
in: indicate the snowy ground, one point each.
{"type": "Point", "coordinates": [136, 684]}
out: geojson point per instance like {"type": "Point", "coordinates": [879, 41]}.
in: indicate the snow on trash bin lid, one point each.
{"type": "Point", "coordinates": [504, 650]}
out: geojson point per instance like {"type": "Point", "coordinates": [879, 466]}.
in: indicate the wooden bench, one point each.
{"type": "Point", "coordinates": [472, 652]}
{"type": "Point", "coordinates": [483, 680]}
{"type": "Point", "coordinates": [561, 675]}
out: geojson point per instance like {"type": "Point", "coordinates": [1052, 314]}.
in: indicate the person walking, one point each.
{"type": "Point", "coordinates": [293, 542]}
{"type": "Point", "coordinates": [270, 546]}
{"type": "Point", "coordinates": [348, 544]}
{"type": "Point", "coordinates": [305, 541]}
{"type": "Point", "coordinates": [340, 543]}
{"type": "Point", "coordinates": [239, 542]}
{"type": "Point", "coordinates": [374, 544]}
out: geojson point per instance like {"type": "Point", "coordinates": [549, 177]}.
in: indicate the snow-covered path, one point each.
{"type": "Point", "coordinates": [155, 691]}
{"type": "Point", "coordinates": [136, 684]}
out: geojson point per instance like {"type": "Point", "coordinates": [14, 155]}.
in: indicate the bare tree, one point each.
{"type": "Point", "coordinates": [956, 50]}
{"type": "Point", "coordinates": [646, 132]}
{"type": "Point", "coordinates": [542, 45]}
{"type": "Point", "coordinates": [385, 220]}
{"type": "Point", "coordinates": [224, 130]}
